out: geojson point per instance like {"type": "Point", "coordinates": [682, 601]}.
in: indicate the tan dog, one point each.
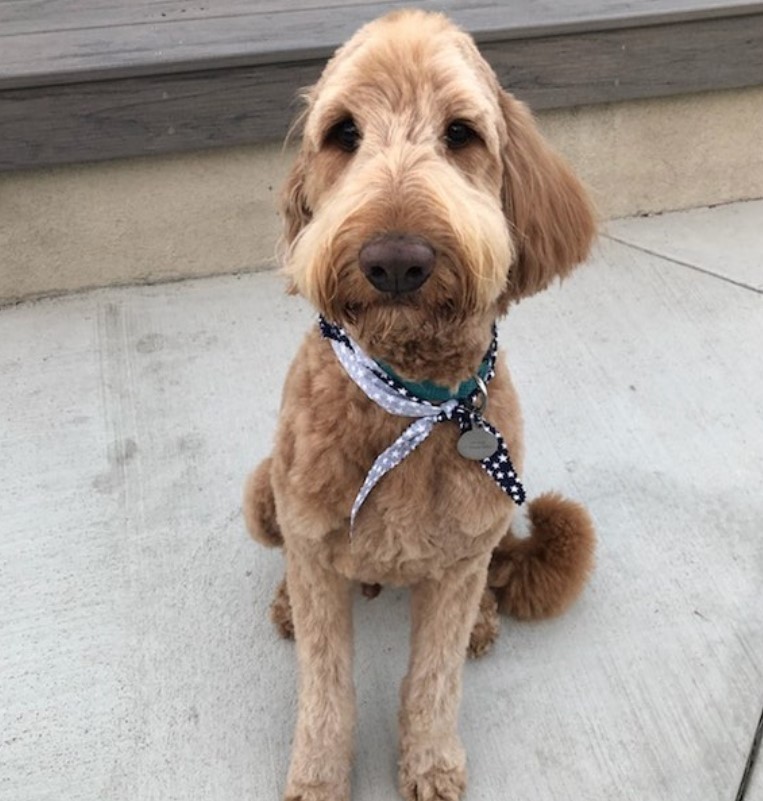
{"type": "Point", "coordinates": [422, 203]}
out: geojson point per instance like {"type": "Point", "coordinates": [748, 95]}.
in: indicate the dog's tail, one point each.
{"type": "Point", "coordinates": [260, 507]}
{"type": "Point", "coordinates": [541, 575]}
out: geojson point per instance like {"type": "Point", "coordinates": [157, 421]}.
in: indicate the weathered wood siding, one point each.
{"type": "Point", "coordinates": [87, 80]}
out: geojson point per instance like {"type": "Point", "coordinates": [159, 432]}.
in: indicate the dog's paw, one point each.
{"type": "Point", "coordinates": [486, 627]}
{"type": "Point", "coordinates": [322, 791]}
{"type": "Point", "coordinates": [429, 773]}
{"type": "Point", "coordinates": [436, 784]}
{"type": "Point", "coordinates": [318, 776]}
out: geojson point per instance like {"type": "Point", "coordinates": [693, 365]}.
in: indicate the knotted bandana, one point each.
{"type": "Point", "coordinates": [393, 396]}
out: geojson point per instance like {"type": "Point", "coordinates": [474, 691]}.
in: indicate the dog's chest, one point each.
{"type": "Point", "coordinates": [433, 508]}
{"type": "Point", "coordinates": [430, 511]}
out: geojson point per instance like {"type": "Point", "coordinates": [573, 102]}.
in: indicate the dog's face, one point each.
{"type": "Point", "coordinates": [423, 195]}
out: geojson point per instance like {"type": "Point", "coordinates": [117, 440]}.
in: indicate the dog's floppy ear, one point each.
{"type": "Point", "coordinates": [294, 209]}
{"type": "Point", "coordinates": [548, 209]}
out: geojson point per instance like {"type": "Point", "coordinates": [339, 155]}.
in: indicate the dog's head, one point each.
{"type": "Point", "coordinates": [423, 195]}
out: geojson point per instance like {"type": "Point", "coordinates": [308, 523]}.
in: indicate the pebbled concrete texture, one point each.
{"type": "Point", "coordinates": [162, 218]}
{"type": "Point", "coordinates": [136, 658]}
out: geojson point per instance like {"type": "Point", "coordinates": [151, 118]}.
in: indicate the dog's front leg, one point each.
{"type": "Point", "coordinates": [432, 760]}
{"type": "Point", "coordinates": [322, 612]}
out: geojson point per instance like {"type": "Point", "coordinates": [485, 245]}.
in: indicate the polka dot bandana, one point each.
{"type": "Point", "coordinates": [395, 398]}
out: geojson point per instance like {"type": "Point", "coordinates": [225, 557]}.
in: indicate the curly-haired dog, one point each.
{"type": "Point", "coordinates": [422, 203]}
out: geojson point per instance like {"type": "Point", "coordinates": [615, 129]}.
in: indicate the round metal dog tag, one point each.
{"type": "Point", "coordinates": [477, 444]}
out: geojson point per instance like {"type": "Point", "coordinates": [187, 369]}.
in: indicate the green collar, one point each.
{"type": "Point", "coordinates": [436, 393]}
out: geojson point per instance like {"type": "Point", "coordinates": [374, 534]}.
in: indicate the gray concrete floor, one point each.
{"type": "Point", "coordinates": [136, 658]}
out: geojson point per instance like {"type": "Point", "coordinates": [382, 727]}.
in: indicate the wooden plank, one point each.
{"type": "Point", "coordinates": [21, 16]}
{"type": "Point", "coordinates": [155, 114]}
{"type": "Point", "coordinates": [105, 41]}
{"type": "Point", "coordinates": [609, 66]}
{"type": "Point", "coordinates": [165, 113]}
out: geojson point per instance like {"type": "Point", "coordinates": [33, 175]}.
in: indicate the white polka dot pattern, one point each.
{"type": "Point", "coordinates": [394, 398]}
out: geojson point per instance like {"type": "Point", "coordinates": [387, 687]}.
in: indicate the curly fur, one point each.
{"type": "Point", "coordinates": [504, 216]}
{"type": "Point", "coordinates": [540, 576]}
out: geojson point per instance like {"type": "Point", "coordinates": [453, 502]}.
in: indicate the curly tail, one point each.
{"type": "Point", "coordinates": [260, 507]}
{"type": "Point", "coordinates": [542, 575]}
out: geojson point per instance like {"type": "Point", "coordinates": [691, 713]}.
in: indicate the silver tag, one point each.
{"type": "Point", "coordinates": [477, 444]}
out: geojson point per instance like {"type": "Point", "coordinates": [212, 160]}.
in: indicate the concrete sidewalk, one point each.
{"type": "Point", "coordinates": [136, 658]}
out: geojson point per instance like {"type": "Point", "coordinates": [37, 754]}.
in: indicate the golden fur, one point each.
{"type": "Point", "coordinates": [505, 216]}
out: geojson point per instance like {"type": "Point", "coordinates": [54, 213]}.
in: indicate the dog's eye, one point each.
{"type": "Point", "coordinates": [459, 134]}
{"type": "Point", "coordinates": [345, 134]}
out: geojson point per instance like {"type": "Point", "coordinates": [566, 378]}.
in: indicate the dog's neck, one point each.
{"type": "Point", "coordinates": [441, 354]}
{"type": "Point", "coordinates": [437, 393]}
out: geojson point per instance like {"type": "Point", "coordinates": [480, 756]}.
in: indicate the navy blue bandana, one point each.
{"type": "Point", "coordinates": [394, 397]}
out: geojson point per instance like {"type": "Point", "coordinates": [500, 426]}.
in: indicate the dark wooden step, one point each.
{"type": "Point", "coordinates": [85, 80]}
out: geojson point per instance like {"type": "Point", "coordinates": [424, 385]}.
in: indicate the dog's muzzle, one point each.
{"type": "Point", "coordinates": [396, 263]}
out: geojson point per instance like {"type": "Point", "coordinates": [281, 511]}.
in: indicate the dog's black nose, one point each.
{"type": "Point", "coordinates": [397, 262]}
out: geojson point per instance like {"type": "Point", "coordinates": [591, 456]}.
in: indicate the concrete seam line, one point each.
{"type": "Point", "coordinates": [751, 758]}
{"type": "Point", "coordinates": [681, 263]}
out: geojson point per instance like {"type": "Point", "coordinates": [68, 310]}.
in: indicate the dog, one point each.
{"type": "Point", "coordinates": [422, 203]}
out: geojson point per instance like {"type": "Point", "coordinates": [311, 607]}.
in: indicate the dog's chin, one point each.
{"type": "Point", "coordinates": [422, 338]}
{"type": "Point", "coordinates": [400, 312]}
{"type": "Point", "coordinates": [399, 316]}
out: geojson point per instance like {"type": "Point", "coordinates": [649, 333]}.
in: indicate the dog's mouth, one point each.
{"type": "Point", "coordinates": [404, 310]}
{"type": "Point", "coordinates": [395, 300]}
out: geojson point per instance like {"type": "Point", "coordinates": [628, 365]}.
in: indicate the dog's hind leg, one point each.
{"type": "Point", "coordinates": [541, 575]}
{"type": "Point", "coordinates": [281, 614]}
{"type": "Point", "coordinates": [260, 515]}
{"type": "Point", "coordinates": [280, 611]}
{"type": "Point", "coordinates": [260, 508]}
{"type": "Point", "coordinates": [486, 627]}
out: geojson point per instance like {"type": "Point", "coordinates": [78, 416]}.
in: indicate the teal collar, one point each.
{"type": "Point", "coordinates": [436, 393]}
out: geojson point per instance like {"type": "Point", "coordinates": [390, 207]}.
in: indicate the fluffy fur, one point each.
{"type": "Point", "coordinates": [505, 216]}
